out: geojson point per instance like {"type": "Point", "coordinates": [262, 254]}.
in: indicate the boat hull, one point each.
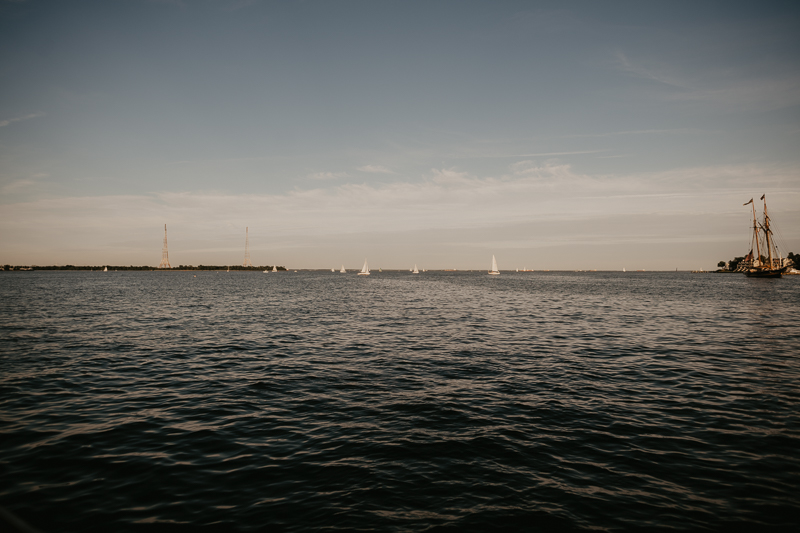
{"type": "Point", "coordinates": [765, 272]}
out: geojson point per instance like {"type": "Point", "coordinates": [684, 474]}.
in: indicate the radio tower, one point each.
{"type": "Point", "coordinates": [164, 253]}
{"type": "Point", "coordinates": [247, 262]}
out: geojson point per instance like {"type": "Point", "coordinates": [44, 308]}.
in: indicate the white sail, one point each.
{"type": "Point", "coordinates": [364, 269]}
{"type": "Point", "coordinates": [415, 271]}
{"type": "Point", "coordinates": [105, 269]}
{"type": "Point", "coordinates": [494, 266]}
{"type": "Point", "coordinates": [623, 269]}
{"type": "Point", "coordinates": [333, 270]}
{"type": "Point", "coordinates": [343, 271]}
{"type": "Point", "coordinates": [274, 268]}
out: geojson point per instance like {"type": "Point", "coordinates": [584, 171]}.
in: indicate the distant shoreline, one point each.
{"type": "Point", "coordinates": [217, 268]}
{"type": "Point", "coordinates": [181, 268]}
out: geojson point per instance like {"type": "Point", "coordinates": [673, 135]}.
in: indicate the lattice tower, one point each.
{"type": "Point", "coordinates": [247, 262]}
{"type": "Point", "coordinates": [164, 253]}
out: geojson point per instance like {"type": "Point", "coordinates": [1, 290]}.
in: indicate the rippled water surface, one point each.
{"type": "Point", "coordinates": [444, 401]}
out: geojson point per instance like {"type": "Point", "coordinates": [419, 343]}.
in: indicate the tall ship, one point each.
{"type": "Point", "coordinates": [767, 261]}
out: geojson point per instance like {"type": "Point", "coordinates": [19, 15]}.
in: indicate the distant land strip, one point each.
{"type": "Point", "coordinates": [132, 267]}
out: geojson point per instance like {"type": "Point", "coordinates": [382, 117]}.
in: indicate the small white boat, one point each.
{"type": "Point", "coordinates": [364, 269]}
{"type": "Point", "coordinates": [623, 269]}
{"type": "Point", "coordinates": [415, 271]}
{"type": "Point", "coordinates": [274, 268]}
{"type": "Point", "coordinates": [105, 269]}
{"type": "Point", "coordinates": [342, 271]}
{"type": "Point", "coordinates": [494, 270]}
{"type": "Point", "coordinates": [333, 270]}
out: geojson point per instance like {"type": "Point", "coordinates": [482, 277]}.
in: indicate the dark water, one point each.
{"type": "Point", "coordinates": [398, 402]}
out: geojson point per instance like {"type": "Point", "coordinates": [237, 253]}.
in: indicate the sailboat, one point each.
{"type": "Point", "coordinates": [415, 271]}
{"type": "Point", "coordinates": [623, 269]}
{"type": "Point", "coordinates": [333, 270]}
{"type": "Point", "coordinates": [105, 269]}
{"type": "Point", "coordinates": [364, 269]}
{"type": "Point", "coordinates": [494, 270]}
{"type": "Point", "coordinates": [342, 271]}
{"type": "Point", "coordinates": [763, 240]}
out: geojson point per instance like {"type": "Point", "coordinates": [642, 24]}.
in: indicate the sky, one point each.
{"type": "Point", "coordinates": [553, 135]}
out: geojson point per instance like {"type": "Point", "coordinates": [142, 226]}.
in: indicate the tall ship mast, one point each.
{"type": "Point", "coordinates": [767, 262]}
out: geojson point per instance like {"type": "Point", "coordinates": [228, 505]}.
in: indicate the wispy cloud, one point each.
{"type": "Point", "coordinates": [22, 185]}
{"type": "Point", "coordinates": [540, 154]}
{"type": "Point", "coordinates": [673, 131]}
{"type": "Point", "coordinates": [328, 175]}
{"type": "Point", "coordinates": [638, 70]}
{"type": "Point", "coordinates": [8, 121]}
{"type": "Point", "coordinates": [742, 86]}
{"type": "Point", "coordinates": [17, 186]}
{"type": "Point", "coordinates": [376, 169]}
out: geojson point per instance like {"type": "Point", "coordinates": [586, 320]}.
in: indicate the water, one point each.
{"type": "Point", "coordinates": [182, 401]}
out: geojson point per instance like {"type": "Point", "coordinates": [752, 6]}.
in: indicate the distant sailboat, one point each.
{"type": "Point", "coordinates": [415, 271]}
{"type": "Point", "coordinates": [343, 271]}
{"type": "Point", "coordinates": [333, 270]}
{"type": "Point", "coordinates": [105, 269]}
{"type": "Point", "coordinates": [364, 269]}
{"type": "Point", "coordinates": [623, 269]}
{"type": "Point", "coordinates": [494, 270]}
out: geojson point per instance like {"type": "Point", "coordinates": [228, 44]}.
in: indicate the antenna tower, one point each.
{"type": "Point", "coordinates": [247, 262]}
{"type": "Point", "coordinates": [164, 253]}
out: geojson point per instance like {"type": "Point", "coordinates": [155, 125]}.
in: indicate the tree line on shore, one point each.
{"type": "Point", "coordinates": [733, 264]}
{"type": "Point", "coordinates": [132, 267]}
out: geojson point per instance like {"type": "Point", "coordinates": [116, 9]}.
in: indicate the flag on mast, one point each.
{"type": "Point", "coordinates": [750, 202]}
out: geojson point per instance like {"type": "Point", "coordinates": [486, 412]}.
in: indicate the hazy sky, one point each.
{"type": "Point", "coordinates": [551, 134]}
